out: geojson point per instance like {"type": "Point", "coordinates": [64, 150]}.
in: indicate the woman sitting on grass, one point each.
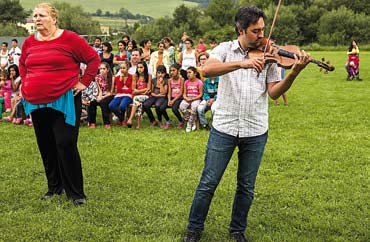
{"type": "Point", "coordinates": [105, 81]}
{"type": "Point", "coordinates": [193, 93]}
{"type": "Point", "coordinates": [123, 96]}
{"type": "Point", "coordinates": [174, 97]}
{"type": "Point", "coordinates": [158, 96]}
{"type": "Point", "coordinates": [142, 85]}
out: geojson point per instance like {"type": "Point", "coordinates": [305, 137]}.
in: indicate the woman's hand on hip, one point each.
{"type": "Point", "coordinates": [78, 88]}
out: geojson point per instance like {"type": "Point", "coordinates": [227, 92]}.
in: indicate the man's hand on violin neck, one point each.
{"type": "Point", "coordinates": [301, 61]}
{"type": "Point", "coordinates": [256, 63]}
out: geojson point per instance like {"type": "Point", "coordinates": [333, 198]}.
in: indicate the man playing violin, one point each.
{"type": "Point", "coordinates": [240, 119]}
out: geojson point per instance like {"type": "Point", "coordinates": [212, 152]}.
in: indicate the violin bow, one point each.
{"type": "Point", "coordinates": [272, 27]}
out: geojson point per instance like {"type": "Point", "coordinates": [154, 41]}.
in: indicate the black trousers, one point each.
{"type": "Point", "coordinates": [158, 102]}
{"type": "Point", "coordinates": [104, 105]}
{"type": "Point", "coordinates": [57, 142]}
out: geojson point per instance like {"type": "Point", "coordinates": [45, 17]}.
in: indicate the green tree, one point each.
{"type": "Point", "coordinates": [286, 30]}
{"type": "Point", "coordinates": [75, 19]}
{"type": "Point", "coordinates": [190, 16]}
{"type": "Point", "coordinates": [310, 23]}
{"type": "Point", "coordinates": [11, 11]}
{"type": "Point", "coordinates": [222, 11]}
{"type": "Point", "coordinates": [99, 12]}
{"type": "Point", "coordinates": [339, 26]}
{"type": "Point", "coordinates": [13, 30]}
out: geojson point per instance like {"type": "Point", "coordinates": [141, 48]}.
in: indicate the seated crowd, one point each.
{"type": "Point", "coordinates": [133, 81]}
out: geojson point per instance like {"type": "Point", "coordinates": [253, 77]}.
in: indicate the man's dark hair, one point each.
{"type": "Point", "coordinates": [246, 16]}
{"type": "Point", "coordinates": [15, 40]}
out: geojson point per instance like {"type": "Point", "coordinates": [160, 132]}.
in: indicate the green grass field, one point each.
{"type": "Point", "coordinates": [313, 184]}
{"type": "Point", "coordinates": [153, 8]}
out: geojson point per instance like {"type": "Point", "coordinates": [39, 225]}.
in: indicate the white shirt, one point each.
{"type": "Point", "coordinates": [15, 53]}
{"type": "Point", "coordinates": [4, 58]}
{"type": "Point", "coordinates": [241, 108]}
{"type": "Point", "coordinates": [188, 60]}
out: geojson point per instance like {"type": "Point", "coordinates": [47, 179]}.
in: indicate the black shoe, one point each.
{"type": "Point", "coordinates": [50, 194]}
{"type": "Point", "coordinates": [80, 201]}
{"type": "Point", "coordinates": [238, 237]}
{"type": "Point", "coordinates": [192, 236]}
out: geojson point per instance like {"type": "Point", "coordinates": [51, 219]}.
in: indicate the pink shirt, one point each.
{"type": "Point", "coordinates": [7, 86]}
{"type": "Point", "coordinates": [193, 88]}
{"type": "Point", "coordinates": [175, 87]}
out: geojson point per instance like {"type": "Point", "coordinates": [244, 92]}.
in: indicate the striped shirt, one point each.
{"type": "Point", "coordinates": [241, 108]}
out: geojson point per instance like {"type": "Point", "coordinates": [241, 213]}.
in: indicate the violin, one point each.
{"type": "Point", "coordinates": [284, 56]}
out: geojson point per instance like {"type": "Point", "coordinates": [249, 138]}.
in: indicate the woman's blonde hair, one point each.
{"type": "Point", "coordinates": [53, 12]}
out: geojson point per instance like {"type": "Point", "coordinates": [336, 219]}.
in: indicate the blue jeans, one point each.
{"type": "Point", "coordinates": [118, 106]}
{"type": "Point", "coordinates": [220, 148]}
{"type": "Point", "coordinates": [202, 109]}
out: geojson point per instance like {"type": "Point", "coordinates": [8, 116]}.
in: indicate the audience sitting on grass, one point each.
{"type": "Point", "coordinates": [135, 86]}
{"type": "Point", "coordinates": [123, 97]}
{"type": "Point", "coordinates": [158, 96]}
{"type": "Point", "coordinates": [105, 81]}
{"type": "Point", "coordinates": [193, 93]}
{"type": "Point", "coordinates": [174, 96]}
{"type": "Point", "coordinates": [142, 86]}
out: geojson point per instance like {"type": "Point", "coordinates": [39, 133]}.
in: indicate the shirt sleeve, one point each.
{"type": "Point", "coordinates": [84, 53]}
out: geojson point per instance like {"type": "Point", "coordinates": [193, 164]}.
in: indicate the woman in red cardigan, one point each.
{"type": "Point", "coordinates": [51, 90]}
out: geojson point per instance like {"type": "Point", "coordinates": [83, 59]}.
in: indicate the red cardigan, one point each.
{"type": "Point", "coordinates": [50, 68]}
{"type": "Point", "coordinates": [126, 89]}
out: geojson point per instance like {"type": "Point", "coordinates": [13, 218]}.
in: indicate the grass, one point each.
{"type": "Point", "coordinates": [153, 8]}
{"type": "Point", "coordinates": [313, 183]}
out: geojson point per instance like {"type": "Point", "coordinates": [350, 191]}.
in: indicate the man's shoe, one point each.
{"type": "Point", "coordinates": [50, 194]}
{"type": "Point", "coordinates": [192, 236]}
{"type": "Point", "coordinates": [80, 201]}
{"type": "Point", "coordinates": [238, 237]}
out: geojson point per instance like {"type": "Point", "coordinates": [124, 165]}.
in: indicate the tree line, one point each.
{"type": "Point", "coordinates": [300, 22]}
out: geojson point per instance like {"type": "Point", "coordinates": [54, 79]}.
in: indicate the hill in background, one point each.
{"type": "Point", "coordinates": [153, 8]}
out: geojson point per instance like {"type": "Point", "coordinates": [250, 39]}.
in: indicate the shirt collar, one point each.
{"type": "Point", "coordinates": [235, 46]}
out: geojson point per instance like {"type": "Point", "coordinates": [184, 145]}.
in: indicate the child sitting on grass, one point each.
{"type": "Point", "coordinates": [174, 97]}
{"type": "Point", "coordinates": [123, 96]}
{"type": "Point", "coordinates": [158, 96]}
{"type": "Point", "coordinates": [142, 85]}
{"type": "Point", "coordinates": [193, 93]}
{"type": "Point", "coordinates": [6, 89]}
